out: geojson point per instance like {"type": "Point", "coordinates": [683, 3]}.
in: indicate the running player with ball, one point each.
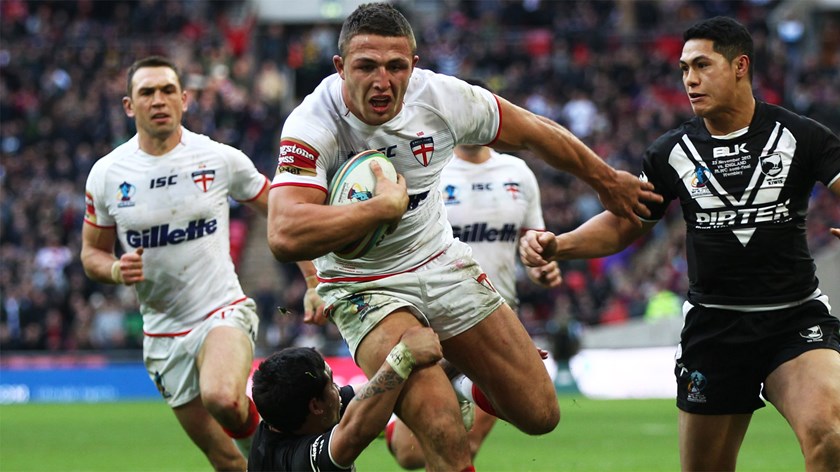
{"type": "Point", "coordinates": [419, 274]}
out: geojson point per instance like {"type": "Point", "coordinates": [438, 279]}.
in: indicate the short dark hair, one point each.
{"type": "Point", "coordinates": [151, 61]}
{"type": "Point", "coordinates": [285, 382]}
{"type": "Point", "coordinates": [729, 37]}
{"type": "Point", "coordinates": [381, 19]}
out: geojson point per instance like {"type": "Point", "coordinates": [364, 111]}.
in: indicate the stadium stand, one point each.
{"type": "Point", "coordinates": [607, 70]}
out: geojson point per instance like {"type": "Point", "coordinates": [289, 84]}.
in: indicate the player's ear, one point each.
{"type": "Point", "coordinates": [184, 101]}
{"type": "Point", "coordinates": [315, 406]}
{"type": "Point", "coordinates": [742, 65]}
{"type": "Point", "coordinates": [128, 106]}
{"type": "Point", "coordinates": [338, 62]}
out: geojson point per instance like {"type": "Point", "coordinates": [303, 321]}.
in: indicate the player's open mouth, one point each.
{"type": "Point", "coordinates": [160, 117]}
{"type": "Point", "coordinates": [694, 97]}
{"type": "Point", "coordinates": [380, 105]}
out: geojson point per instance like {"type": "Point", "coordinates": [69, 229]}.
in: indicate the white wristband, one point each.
{"type": "Point", "coordinates": [401, 360]}
{"type": "Point", "coordinates": [116, 272]}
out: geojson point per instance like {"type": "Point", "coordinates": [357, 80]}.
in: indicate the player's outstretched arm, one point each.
{"type": "Point", "coordinates": [302, 227]}
{"type": "Point", "coordinates": [370, 409]}
{"type": "Point", "coordinates": [619, 191]}
{"type": "Point", "coordinates": [602, 235]}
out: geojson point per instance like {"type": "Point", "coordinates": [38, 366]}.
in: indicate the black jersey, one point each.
{"type": "Point", "coordinates": [744, 199]}
{"type": "Point", "coordinates": [273, 451]}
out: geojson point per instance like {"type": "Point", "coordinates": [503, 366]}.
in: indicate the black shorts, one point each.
{"type": "Point", "coordinates": [724, 355]}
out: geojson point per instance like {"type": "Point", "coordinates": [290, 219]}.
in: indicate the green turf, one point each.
{"type": "Point", "coordinates": [594, 435]}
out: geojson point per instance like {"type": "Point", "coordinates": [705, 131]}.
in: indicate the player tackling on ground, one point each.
{"type": "Point", "coordinates": [419, 275]}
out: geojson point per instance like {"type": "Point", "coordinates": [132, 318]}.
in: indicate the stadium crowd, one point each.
{"type": "Point", "coordinates": [606, 70]}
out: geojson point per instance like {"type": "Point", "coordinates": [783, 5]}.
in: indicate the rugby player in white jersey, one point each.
{"type": "Point", "coordinates": [164, 195]}
{"type": "Point", "coordinates": [419, 274]}
{"type": "Point", "coordinates": [491, 200]}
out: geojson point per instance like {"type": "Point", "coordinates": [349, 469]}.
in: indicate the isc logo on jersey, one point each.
{"type": "Point", "coordinates": [162, 235]}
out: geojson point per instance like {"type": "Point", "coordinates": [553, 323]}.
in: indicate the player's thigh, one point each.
{"type": "Point", "coordinates": [711, 442]}
{"type": "Point", "coordinates": [207, 434]}
{"type": "Point", "coordinates": [226, 350]}
{"type": "Point", "coordinates": [379, 341]}
{"type": "Point", "coordinates": [499, 355]}
{"type": "Point", "coordinates": [806, 391]}
{"type": "Point", "coordinates": [225, 360]}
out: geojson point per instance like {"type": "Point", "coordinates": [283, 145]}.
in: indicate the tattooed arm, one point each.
{"type": "Point", "coordinates": [370, 409]}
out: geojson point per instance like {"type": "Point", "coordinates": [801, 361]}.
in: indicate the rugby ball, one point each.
{"type": "Point", "coordinates": [354, 182]}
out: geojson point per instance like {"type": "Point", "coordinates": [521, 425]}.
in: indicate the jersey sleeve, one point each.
{"type": "Point", "coordinates": [246, 181]}
{"type": "Point", "coordinates": [654, 171]}
{"type": "Point", "coordinates": [304, 151]}
{"type": "Point", "coordinates": [533, 216]}
{"type": "Point", "coordinates": [473, 112]}
{"type": "Point", "coordinates": [96, 208]}
{"type": "Point", "coordinates": [826, 155]}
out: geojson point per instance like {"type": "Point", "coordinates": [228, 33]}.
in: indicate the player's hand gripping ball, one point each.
{"type": "Point", "coordinates": [354, 182]}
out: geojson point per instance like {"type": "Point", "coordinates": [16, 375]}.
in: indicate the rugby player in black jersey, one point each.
{"type": "Point", "coordinates": [756, 323]}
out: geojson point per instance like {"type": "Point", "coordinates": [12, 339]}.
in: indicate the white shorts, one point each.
{"type": "Point", "coordinates": [171, 360]}
{"type": "Point", "coordinates": [449, 293]}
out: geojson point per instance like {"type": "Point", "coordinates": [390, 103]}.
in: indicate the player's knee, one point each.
{"type": "Point", "coordinates": [222, 401]}
{"type": "Point", "coordinates": [409, 458]}
{"type": "Point", "coordinates": [542, 420]}
{"type": "Point", "coordinates": [821, 445]}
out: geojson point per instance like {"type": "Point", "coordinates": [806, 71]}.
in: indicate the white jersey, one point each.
{"type": "Point", "coordinates": [489, 206]}
{"type": "Point", "coordinates": [438, 112]}
{"type": "Point", "coordinates": [176, 208]}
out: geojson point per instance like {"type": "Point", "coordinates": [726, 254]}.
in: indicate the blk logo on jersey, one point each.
{"type": "Point", "coordinates": [204, 178]}
{"type": "Point", "coordinates": [727, 152]}
{"type": "Point", "coordinates": [162, 235]}
{"type": "Point", "coordinates": [126, 192]}
{"type": "Point", "coordinates": [423, 149]}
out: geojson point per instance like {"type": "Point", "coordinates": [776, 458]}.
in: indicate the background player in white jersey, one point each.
{"type": "Point", "coordinates": [419, 274]}
{"type": "Point", "coordinates": [164, 194]}
{"type": "Point", "coordinates": [755, 319]}
{"type": "Point", "coordinates": [491, 199]}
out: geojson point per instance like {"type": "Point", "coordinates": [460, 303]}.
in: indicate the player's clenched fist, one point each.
{"type": "Point", "coordinates": [128, 269]}
{"type": "Point", "coordinates": [537, 248]}
{"type": "Point", "coordinates": [423, 344]}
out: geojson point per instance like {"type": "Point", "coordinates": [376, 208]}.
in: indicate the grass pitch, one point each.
{"type": "Point", "coordinates": [594, 435]}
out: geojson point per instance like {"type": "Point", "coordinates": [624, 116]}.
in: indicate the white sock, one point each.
{"type": "Point", "coordinates": [463, 387]}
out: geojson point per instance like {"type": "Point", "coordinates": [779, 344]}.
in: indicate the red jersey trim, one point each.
{"type": "Point", "coordinates": [182, 333]}
{"type": "Point", "coordinates": [265, 184]}
{"type": "Point", "coordinates": [368, 278]}
{"type": "Point", "coordinates": [299, 184]}
{"type": "Point", "coordinates": [98, 226]}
